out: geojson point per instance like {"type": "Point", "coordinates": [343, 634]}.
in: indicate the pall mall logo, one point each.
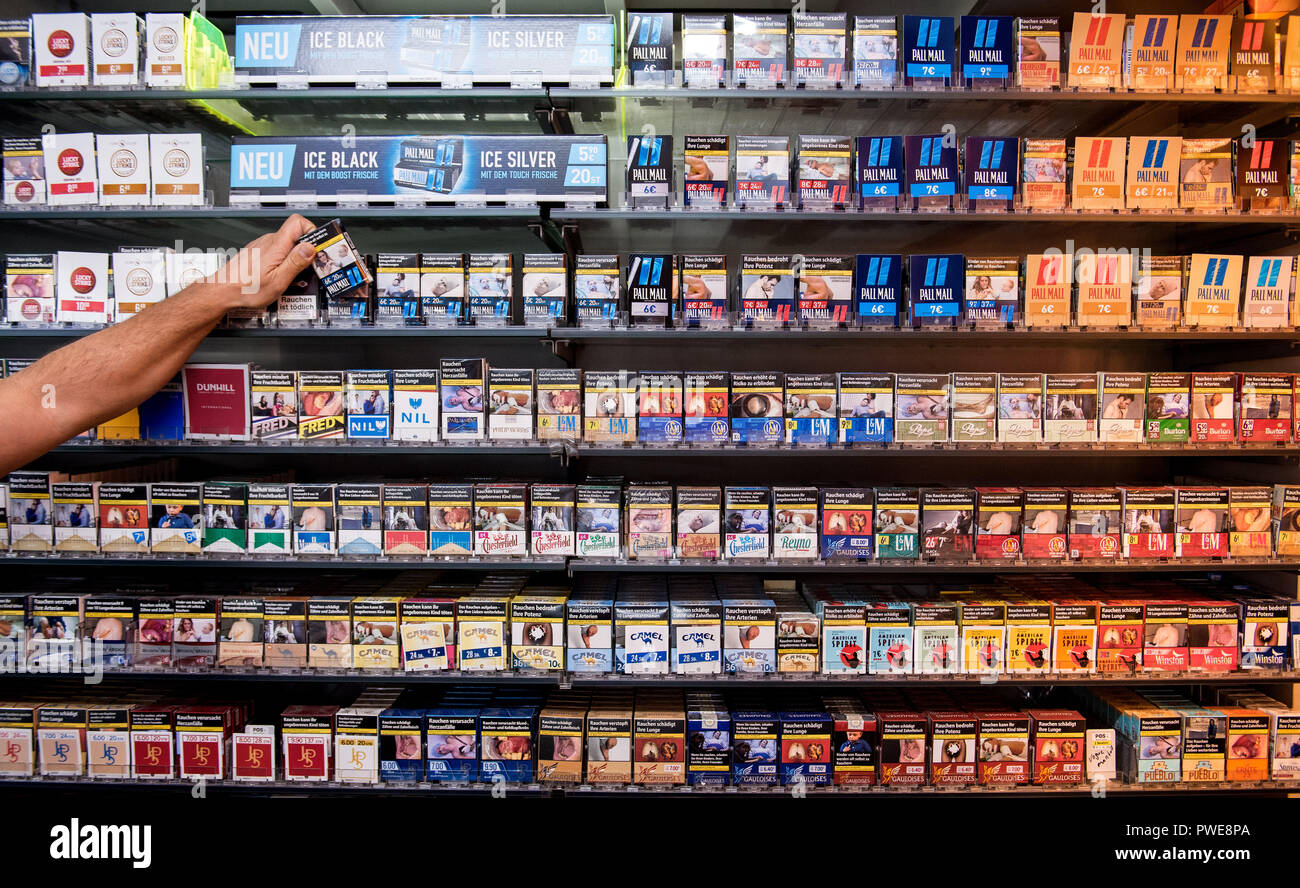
{"type": "Point", "coordinates": [78, 841]}
{"type": "Point", "coordinates": [1151, 46]}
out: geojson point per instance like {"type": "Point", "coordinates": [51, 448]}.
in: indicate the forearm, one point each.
{"type": "Point", "coordinates": [105, 374]}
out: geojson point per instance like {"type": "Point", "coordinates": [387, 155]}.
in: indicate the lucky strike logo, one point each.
{"type": "Point", "coordinates": [164, 39]}
{"type": "Point", "coordinates": [31, 309]}
{"type": "Point", "coordinates": [139, 281]}
{"type": "Point", "coordinates": [124, 162]}
{"type": "Point", "coordinates": [82, 280]}
{"type": "Point", "coordinates": [60, 44]}
{"type": "Point", "coordinates": [113, 43]}
{"type": "Point", "coordinates": [70, 161]}
{"type": "Point", "coordinates": [24, 191]}
{"type": "Point", "coordinates": [176, 162]}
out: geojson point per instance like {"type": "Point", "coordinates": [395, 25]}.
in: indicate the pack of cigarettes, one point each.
{"type": "Point", "coordinates": [1153, 172]}
{"type": "Point", "coordinates": [285, 626]}
{"type": "Point", "coordinates": [1164, 646]}
{"type": "Point", "coordinates": [1151, 63]}
{"type": "Point", "coordinates": [993, 292]}
{"type": "Point", "coordinates": [559, 404]}
{"type": "Point", "coordinates": [406, 519]}
{"type": "Point", "coordinates": [115, 43]}
{"type": "Point", "coordinates": [70, 168]}
{"type": "Point", "coordinates": [1250, 522]}
{"type": "Point", "coordinates": [1048, 288]}
{"type": "Point", "coordinates": [108, 627]}
{"type": "Point", "coordinates": [825, 165]}
{"type": "Point", "coordinates": [124, 518]}
{"type": "Point", "coordinates": [397, 283]}
{"type": "Point", "coordinates": [844, 637]}
{"type": "Point", "coordinates": [1213, 291]}
{"type": "Point", "coordinates": [1262, 177]}
{"type": "Point", "coordinates": [1074, 637]}
{"type": "Point", "coordinates": [999, 513]}
{"type": "Point", "coordinates": [1266, 405]}
{"type": "Point", "coordinates": [442, 288]}
{"type": "Point", "coordinates": [491, 281]}
{"type": "Point", "coordinates": [314, 519]}
{"type": "Point", "coordinates": [1098, 168]}
{"type": "Point", "coordinates": [1043, 174]}
{"type": "Point", "coordinates": [933, 168]}
{"type": "Point", "coordinates": [62, 49]}
{"type": "Point", "coordinates": [703, 289]}
{"type": "Point", "coordinates": [610, 407]}
{"type": "Point", "coordinates": [641, 641]}
{"type": "Point", "coordinates": [545, 288]}
{"type": "Point", "coordinates": [662, 727]}
{"type": "Point", "coordinates": [866, 408]}
{"type": "Point", "coordinates": [275, 405]}
{"type": "Point", "coordinates": [269, 519]}
{"type": "Point", "coordinates": [756, 408]}
{"type": "Point", "coordinates": [360, 519]}
{"type": "Point", "coordinates": [1020, 407]}
{"type": "Point", "coordinates": [921, 408]}
{"type": "Point", "coordinates": [321, 414]}
{"type": "Point", "coordinates": [929, 48]}
{"type": "Point", "coordinates": [1039, 55]}
{"type": "Point", "coordinates": [375, 637]}
{"type": "Point", "coordinates": [649, 522]}
{"type": "Point", "coordinates": [983, 636]}
{"type": "Point", "coordinates": [1268, 291]}
{"type": "Point", "coordinates": [947, 524]}
{"type": "Point", "coordinates": [82, 288]}
{"type": "Point", "coordinates": [880, 172]}
{"type": "Point", "coordinates": [1095, 526]}
{"type": "Point", "coordinates": [1168, 408]}
{"type": "Point", "coordinates": [1160, 292]}
{"type": "Point", "coordinates": [1265, 634]}
{"type": "Point", "coordinates": [992, 182]}
{"type": "Point", "coordinates": [1044, 533]}
{"type": "Point", "coordinates": [1029, 637]}
{"type": "Point", "coordinates": [599, 533]}
{"type": "Point", "coordinates": [936, 289]}
{"type": "Point", "coordinates": [24, 172]}
{"type": "Point", "coordinates": [29, 289]}
{"type": "Point", "coordinates": [810, 408]}
{"type": "Point", "coordinates": [898, 522]}
{"type": "Point", "coordinates": [699, 523]}
{"type": "Point", "coordinates": [341, 269]}
{"type": "Point", "coordinates": [706, 161]}
{"type": "Point", "coordinates": [597, 288]}
{"type": "Point", "coordinates": [826, 290]}
{"type": "Point", "coordinates": [749, 635]}
{"type": "Point", "coordinates": [1204, 48]}
{"type": "Point", "coordinates": [696, 635]}
{"type": "Point", "coordinates": [889, 638]}
{"type": "Point", "coordinates": [451, 520]}
{"type": "Point", "coordinates": [875, 51]}
{"type": "Point", "coordinates": [428, 634]}
{"type": "Point", "coordinates": [16, 54]}
{"type": "Point", "coordinates": [500, 520]}
{"type": "Point", "coordinates": [1123, 397]}
{"type": "Point", "coordinates": [649, 180]}
{"type": "Point", "coordinates": [650, 289]}
{"type": "Point", "coordinates": [659, 408]}
{"type": "Point", "coordinates": [164, 49]}
{"type": "Point", "coordinates": [225, 517]}
{"type": "Point", "coordinates": [184, 269]}
{"type": "Point", "coordinates": [974, 407]}
{"type": "Point", "coordinates": [74, 516]}
{"type": "Point", "coordinates": [1205, 172]}
{"type": "Point", "coordinates": [461, 383]}
{"type": "Point", "coordinates": [794, 526]}
{"type": "Point", "coordinates": [1149, 528]}
{"type": "Point", "coordinates": [705, 401]}
{"type": "Point", "coordinates": [123, 169]}
{"type": "Point", "coordinates": [194, 632]}
{"type": "Point", "coordinates": [306, 734]}
{"type": "Point", "coordinates": [1058, 737]}
{"type": "Point", "coordinates": [414, 405]}
{"type": "Point", "coordinates": [139, 280]}
{"type": "Point", "coordinates": [511, 400]}
{"type": "Point", "coordinates": [758, 49]}
{"type": "Point", "coordinates": [552, 510]}
{"type": "Point", "coordinates": [767, 288]}
{"type": "Point", "coordinates": [1071, 409]}
{"type": "Point", "coordinates": [704, 51]}
{"type": "Point", "coordinates": [537, 632]}
{"type": "Point", "coordinates": [846, 523]}
{"type": "Point", "coordinates": [1213, 398]}
{"type": "Point", "coordinates": [762, 170]}
{"type": "Point", "coordinates": [1105, 290]}
{"type": "Point", "coordinates": [175, 519]}
{"type": "Point", "coordinates": [819, 49]}
{"type": "Point", "coordinates": [1202, 516]}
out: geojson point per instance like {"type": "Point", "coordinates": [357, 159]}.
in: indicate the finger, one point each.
{"type": "Point", "coordinates": [295, 261]}
{"type": "Point", "coordinates": [297, 225]}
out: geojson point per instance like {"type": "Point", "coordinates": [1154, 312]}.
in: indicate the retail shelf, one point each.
{"type": "Point", "coordinates": [626, 335]}
{"type": "Point", "coordinates": [318, 333]}
{"type": "Point", "coordinates": [277, 787]}
{"type": "Point", "coordinates": [448, 213]}
{"type": "Point", "coordinates": [836, 96]}
{"type": "Point", "coordinates": [255, 93]}
{"type": "Point", "coordinates": [849, 216]}
{"type": "Point", "coordinates": [272, 563]}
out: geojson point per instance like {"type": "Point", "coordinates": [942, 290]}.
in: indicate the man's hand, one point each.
{"type": "Point", "coordinates": [261, 272]}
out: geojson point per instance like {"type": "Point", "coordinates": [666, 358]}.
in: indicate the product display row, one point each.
{"type": "Point", "coordinates": [1091, 51]}
{"type": "Point", "coordinates": [470, 734]}
{"type": "Point", "coordinates": [647, 625]}
{"type": "Point", "coordinates": [951, 291]}
{"type": "Point", "coordinates": [465, 401]}
{"type": "Point", "coordinates": [651, 522]}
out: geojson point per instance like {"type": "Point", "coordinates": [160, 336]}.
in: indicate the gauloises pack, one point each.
{"type": "Point", "coordinates": [866, 408]}
{"type": "Point", "coordinates": [846, 529]}
{"type": "Point", "coordinates": [947, 516]}
{"type": "Point", "coordinates": [1202, 515]}
{"type": "Point", "coordinates": [1149, 529]}
{"type": "Point", "coordinates": [1004, 751]}
{"type": "Point", "coordinates": [1058, 746]}
{"type": "Point", "coordinates": [898, 522]}
{"type": "Point", "coordinates": [810, 409]}
{"type": "Point", "coordinates": [952, 755]}
{"type": "Point", "coordinates": [852, 729]}
{"type": "Point", "coordinates": [1266, 404]}
{"type": "Point", "coordinates": [902, 747]}
{"type": "Point", "coordinates": [999, 512]}
{"type": "Point", "coordinates": [705, 399]}
{"type": "Point", "coordinates": [1095, 525]}
{"type": "Point", "coordinates": [1213, 398]}
{"type": "Point", "coordinates": [1045, 529]}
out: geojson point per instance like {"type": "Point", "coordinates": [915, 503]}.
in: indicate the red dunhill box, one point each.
{"type": "Point", "coordinates": [216, 401]}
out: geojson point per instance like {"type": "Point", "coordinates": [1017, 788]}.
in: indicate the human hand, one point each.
{"type": "Point", "coordinates": [260, 272]}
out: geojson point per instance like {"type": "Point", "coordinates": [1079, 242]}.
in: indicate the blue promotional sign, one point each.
{"type": "Point", "coordinates": [936, 286]}
{"type": "Point", "coordinates": [880, 166]}
{"type": "Point", "coordinates": [986, 47]}
{"type": "Point", "coordinates": [878, 285]}
{"type": "Point", "coordinates": [992, 169]}
{"type": "Point", "coordinates": [928, 46]}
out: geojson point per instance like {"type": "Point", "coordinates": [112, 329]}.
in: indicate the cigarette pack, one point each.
{"type": "Point", "coordinates": [1264, 634]}
{"type": "Point", "coordinates": [597, 287]}
{"type": "Point", "coordinates": [225, 508]}
{"type": "Point", "coordinates": [810, 409]}
{"type": "Point", "coordinates": [461, 384]}
{"type": "Point", "coordinates": [1048, 287]}
{"type": "Point", "coordinates": [242, 632]}
{"type": "Point", "coordinates": [108, 630]}
{"type": "Point", "coordinates": [903, 734]}
{"type": "Point", "coordinates": [194, 632]}
{"type": "Point", "coordinates": [756, 408]}
{"type": "Point", "coordinates": [758, 50]}
{"type": "Point", "coordinates": [13, 641]}
{"type": "Point", "coordinates": [1020, 407]}
{"type": "Point", "coordinates": [844, 637]}
{"type": "Point", "coordinates": [428, 634]}
{"type": "Point", "coordinates": [974, 407]}
{"type": "Point", "coordinates": [947, 520]}
{"type": "Point", "coordinates": [482, 643]}
{"type": "Point", "coordinates": [1074, 636]}
{"type": "Point", "coordinates": [1004, 750]}
{"type": "Point", "coordinates": [1123, 396]}
{"type": "Point", "coordinates": [866, 408]}
{"type": "Point", "coordinates": [699, 524]}
{"type": "Point", "coordinates": [707, 164]}
{"type": "Point", "coordinates": [1151, 53]}
{"type": "Point", "coordinates": [559, 403]}
{"type": "Point", "coordinates": [153, 736]}
{"type": "Point", "coordinates": [755, 742]}
{"type": "Point", "coordinates": [1039, 53]}
{"type": "Point", "coordinates": [491, 281]}
{"type": "Point", "coordinates": [108, 740]}
{"type": "Point", "coordinates": [1213, 399]}
{"type": "Point", "coordinates": [82, 288]}
{"type": "Point", "coordinates": [341, 269]}
{"type": "Point", "coordinates": [545, 287]}
{"type": "Point", "coordinates": [819, 49]}
{"type": "Point", "coordinates": [1286, 511]}
{"type": "Point", "coordinates": [552, 509]}
{"type": "Point", "coordinates": [705, 408]}
{"type": "Point", "coordinates": [1105, 289]}
{"type": "Point", "coordinates": [880, 172]}
{"type": "Point", "coordinates": [16, 56]}
{"type": "Point", "coordinates": [321, 404]}
{"type": "Point", "coordinates": [1268, 291]}
{"type": "Point", "coordinates": [659, 408]}
{"type": "Point", "coordinates": [1262, 177]}
{"type": "Point", "coordinates": [153, 639]}
{"type": "Point", "coordinates": [510, 399]}
{"type": "Point", "coordinates": [559, 733]}
{"type": "Point", "coordinates": [500, 520]}
{"type": "Point", "coordinates": [696, 636]}
{"type": "Point", "coordinates": [929, 48]}
{"type": "Point", "coordinates": [933, 170]}
{"type": "Point", "coordinates": [983, 636]}
{"type": "Point", "coordinates": [54, 633]}
{"type": "Point", "coordinates": [29, 289]}
{"type": "Point", "coordinates": [313, 519]}
{"type": "Point", "coordinates": [1246, 742]}
{"type": "Point", "coordinates": [139, 280]}
{"type": "Point", "coordinates": [762, 170]}
{"type": "Point", "coordinates": [1250, 522]}
{"type": "Point", "coordinates": [935, 290]}
{"type": "Point", "coordinates": [176, 517]}
{"type": "Point", "coordinates": [1120, 640]}
{"type": "Point", "coordinates": [853, 729]}
{"type": "Point", "coordinates": [1160, 292]}
{"type": "Point", "coordinates": [703, 288]}
{"type": "Point", "coordinates": [1165, 638]}
{"type": "Point", "coordinates": [74, 517]}
{"type": "Point", "coordinates": [890, 643]}
{"type": "Point", "coordinates": [992, 182]}
{"type": "Point", "coordinates": [397, 283]}
{"type": "Point", "coordinates": [825, 165]}
{"type": "Point", "coordinates": [356, 743]}
{"type": "Point", "coordinates": [1212, 628]}
{"type": "Point", "coordinates": [274, 405]}
{"type": "Point", "coordinates": [826, 290]}
{"type": "Point", "coordinates": [1214, 291]}
{"type": "Point", "coordinates": [31, 528]}
{"type": "Point", "coordinates": [649, 522]}
{"type": "Point", "coordinates": [610, 408]}
{"type": "Point", "coordinates": [805, 748]}
{"type": "Point", "coordinates": [69, 164]}
{"type": "Point", "coordinates": [641, 641]}
{"type": "Point", "coordinates": [704, 50]}
{"type": "Point", "coordinates": [952, 757]}
{"type": "Point", "coordinates": [285, 626]}
{"type": "Point", "coordinates": [649, 179]}
{"type": "Point", "coordinates": [1098, 166]}
{"type": "Point", "coordinates": [1266, 405]}
{"type": "Point", "coordinates": [1071, 410]}
{"type": "Point", "coordinates": [590, 634]}
{"type": "Point", "coordinates": [1095, 523]}
{"type": "Point", "coordinates": [61, 739]}
{"type": "Point", "coordinates": [1205, 171]}
{"type": "Point", "coordinates": [767, 288]}
{"type": "Point", "coordinates": [165, 49]}
{"type": "Point", "coordinates": [1029, 637]}
{"type": "Point", "coordinates": [1097, 51]}
{"type": "Point", "coordinates": [935, 644]}
{"type": "Point", "coordinates": [875, 51]}
{"type": "Point", "coordinates": [987, 55]}
{"type": "Point", "coordinates": [609, 738]}
{"type": "Point", "coordinates": [123, 169]}
{"type": "Point", "coordinates": [1203, 523]}
{"type": "Point", "coordinates": [176, 179]}
{"type": "Point", "coordinates": [1043, 172]}
{"type": "Point", "coordinates": [269, 519]}
{"type": "Point", "coordinates": [1149, 528]}
{"type": "Point", "coordinates": [415, 405]}
{"type": "Point", "coordinates": [1204, 47]}
{"type": "Point", "coordinates": [62, 49]}
{"type": "Point", "coordinates": [708, 731]}
{"type": "Point", "coordinates": [999, 512]}
{"type": "Point", "coordinates": [360, 519]}
{"type": "Point", "coordinates": [650, 59]}
{"type": "Point", "coordinates": [1153, 172]}
{"type": "Point", "coordinates": [1058, 741]}
{"type": "Point", "coordinates": [898, 522]}
{"type": "Point", "coordinates": [794, 531]}
{"type": "Point", "coordinates": [366, 398]}
{"type": "Point", "coordinates": [599, 528]}
{"type": "Point", "coordinates": [376, 641]}
{"type": "Point", "coordinates": [659, 742]}
{"type": "Point", "coordinates": [307, 734]}
{"type": "Point", "coordinates": [921, 408]}
{"type": "Point", "coordinates": [749, 635]}
{"type": "Point", "coordinates": [442, 288]}
{"type": "Point", "coordinates": [184, 269]}
{"type": "Point", "coordinates": [993, 292]}
{"type": "Point", "coordinates": [747, 519]}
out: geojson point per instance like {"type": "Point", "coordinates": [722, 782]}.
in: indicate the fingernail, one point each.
{"type": "Point", "coordinates": [306, 251]}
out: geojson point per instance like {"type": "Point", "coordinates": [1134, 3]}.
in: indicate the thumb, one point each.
{"type": "Point", "coordinates": [294, 262]}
